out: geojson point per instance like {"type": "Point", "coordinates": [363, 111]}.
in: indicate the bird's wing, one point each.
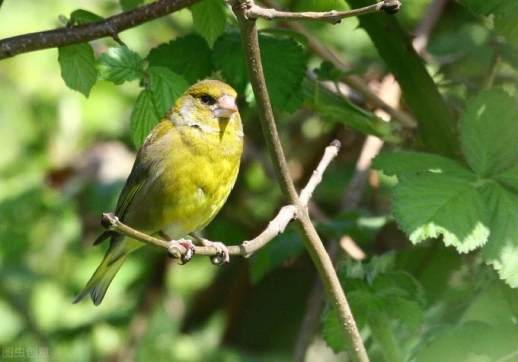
{"type": "Point", "coordinates": [134, 183]}
{"type": "Point", "coordinates": [140, 173]}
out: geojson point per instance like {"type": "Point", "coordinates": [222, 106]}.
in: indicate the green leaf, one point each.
{"type": "Point", "coordinates": [77, 63]}
{"type": "Point", "coordinates": [332, 107]}
{"type": "Point", "coordinates": [466, 208]}
{"type": "Point", "coordinates": [189, 56]}
{"type": "Point", "coordinates": [387, 302]}
{"type": "Point", "coordinates": [471, 342]}
{"type": "Point", "coordinates": [284, 62]}
{"type": "Point", "coordinates": [332, 331]}
{"type": "Point", "coordinates": [505, 14]}
{"type": "Point", "coordinates": [143, 118]}
{"type": "Point", "coordinates": [81, 16]}
{"type": "Point", "coordinates": [432, 205]}
{"type": "Point", "coordinates": [283, 248]}
{"type": "Point", "coordinates": [495, 304]}
{"type": "Point", "coordinates": [228, 57]}
{"type": "Point", "coordinates": [166, 87]}
{"type": "Point", "coordinates": [488, 127]}
{"type": "Point", "coordinates": [209, 19]}
{"type": "Point", "coordinates": [501, 250]}
{"type": "Point", "coordinates": [130, 4]}
{"type": "Point", "coordinates": [327, 71]}
{"type": "Point", "coordinates": [383, 334]}
{"type": "Point", "coordinates": [409, 162]}
{"type": "Point", "coordinates": [120, 64]}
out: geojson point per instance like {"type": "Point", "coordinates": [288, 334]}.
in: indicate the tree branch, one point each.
{"type": "Point", "coordinates": [276, 226]}
{"type": "Point", "coordinates": [255, 11]}
{"type": "Point", "coordinates": [355, 82]}
{"type": "Point", "coordinates": [313, 243]}
{"type": "Point", "coordinates": [109, 27]}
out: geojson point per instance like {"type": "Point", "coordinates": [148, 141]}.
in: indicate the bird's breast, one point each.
{"type": "Point", "coordinates": [197, 178]}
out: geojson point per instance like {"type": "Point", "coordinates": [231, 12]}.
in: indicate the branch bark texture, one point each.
{"type": "Point", "coordinates": [109, 27]}
{"type": "Point", "coordinates": [254, 11]}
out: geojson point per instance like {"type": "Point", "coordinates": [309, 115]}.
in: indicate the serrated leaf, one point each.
{"type": "Point", "coordinates": [501, 250]}
{"type": "Point", "coordinates": [408, 162]}
{"type": "Point", "coordinates": [283, 248]}
{"type": "Point", "coordinates": [284, 63]}
{"type": "Point", "coordinates": [130, 4]}
{"type": "Point", "coordinates": [432, 205]}
{"type": "Point", "coordinates": [189, 56]}
{"type": "Point", "coordinates": [488, 126]}
{"type": "Point", "coordinates": [385, 303]}
{"type": "Point", "coordinates": [165, 87]}
{"type": "Point", "coordinates": [77, 63]}
{"type": "Point", "coordinates": [143, 118]}
{"type": "Point", "coordinates": [81, 16]}
{"type": "Point", "coordinates": [120, 64]}
{"type": "Point", "coordinates": [227, 56]}
{"type": "Point", "coordinates": [209, 19]}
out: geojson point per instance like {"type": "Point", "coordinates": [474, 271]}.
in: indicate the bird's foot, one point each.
{"type": "Point", "coordinates": [222, 256]}
{"type": "Point", "coordinates": [176, 245]}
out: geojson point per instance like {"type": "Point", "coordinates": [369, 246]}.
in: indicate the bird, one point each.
{"type": "Point", "coordinates": [182, 176]}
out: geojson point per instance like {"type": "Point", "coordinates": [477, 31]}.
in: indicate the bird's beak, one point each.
{"type": "Point", "coordinates": [225, 106]}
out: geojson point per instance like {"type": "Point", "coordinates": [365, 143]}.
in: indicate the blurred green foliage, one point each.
{"type": "Point", "coordinates": [64, 159]}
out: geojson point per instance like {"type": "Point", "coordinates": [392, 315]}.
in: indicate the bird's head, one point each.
{"type": "Point", "coordinates": [215, 97]}
{"type": "Point", "coordinates": [207, 104]}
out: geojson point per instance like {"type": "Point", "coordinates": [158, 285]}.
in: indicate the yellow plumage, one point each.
{"type": "Point", "coordinates": [182, 175]}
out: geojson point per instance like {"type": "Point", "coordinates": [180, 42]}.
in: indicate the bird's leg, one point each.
{"type": "Point", "coordinates": [222, 255]}
{"type": "Point", "coordinates": [174, 246]}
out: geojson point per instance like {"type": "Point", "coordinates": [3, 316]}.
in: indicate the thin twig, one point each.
{"type": "Point", "coordinates": [314, 245]}
{"type": "Point", "coordinates": [351, 201]}
{"type": "Point", "coordinates": [333, 16]}
{"type": "Point", "coordinates": [110, 27]}
{"type": "Point", "coordinates": [352, 81]}
{"type": "Point", "coordinates": [390, 94]}
{"type": "Point", "coordinates": [276, 226]}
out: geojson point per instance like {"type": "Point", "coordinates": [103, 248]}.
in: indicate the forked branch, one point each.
{"type": "Point", "coordinates": [276, 226]}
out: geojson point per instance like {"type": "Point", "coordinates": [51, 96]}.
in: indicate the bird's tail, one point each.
{"type": "Point", "coordinates": [103, 276]}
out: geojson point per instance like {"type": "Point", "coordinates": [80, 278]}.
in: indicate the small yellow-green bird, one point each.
{"type": "Point", "coordinates": [182, 176]}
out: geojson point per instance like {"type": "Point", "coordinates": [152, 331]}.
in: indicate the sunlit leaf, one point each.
{"type": "Point", "coordinates": [77, 63]}
{"type": "Point", "coordinates": [432, 205]}
{"type": "Point", "coordinates": [189, 56]}
{"type": "Point", "coordinates": [209, 19]}
{"type": "Point", "coordinates": [143, 118]}
{"type": "Point", "coordinates": [166, 87]}
{"type": "Point", "coordinates": [120, 64]}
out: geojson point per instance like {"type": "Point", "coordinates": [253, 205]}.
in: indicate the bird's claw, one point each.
{"type": "Point", "coordinates": [222, 255]}
{"type": "Point", "coordinates": [174, 250]}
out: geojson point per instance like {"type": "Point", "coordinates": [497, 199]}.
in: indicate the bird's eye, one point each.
{"type": "Point", "coordinates": [206, 99]}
